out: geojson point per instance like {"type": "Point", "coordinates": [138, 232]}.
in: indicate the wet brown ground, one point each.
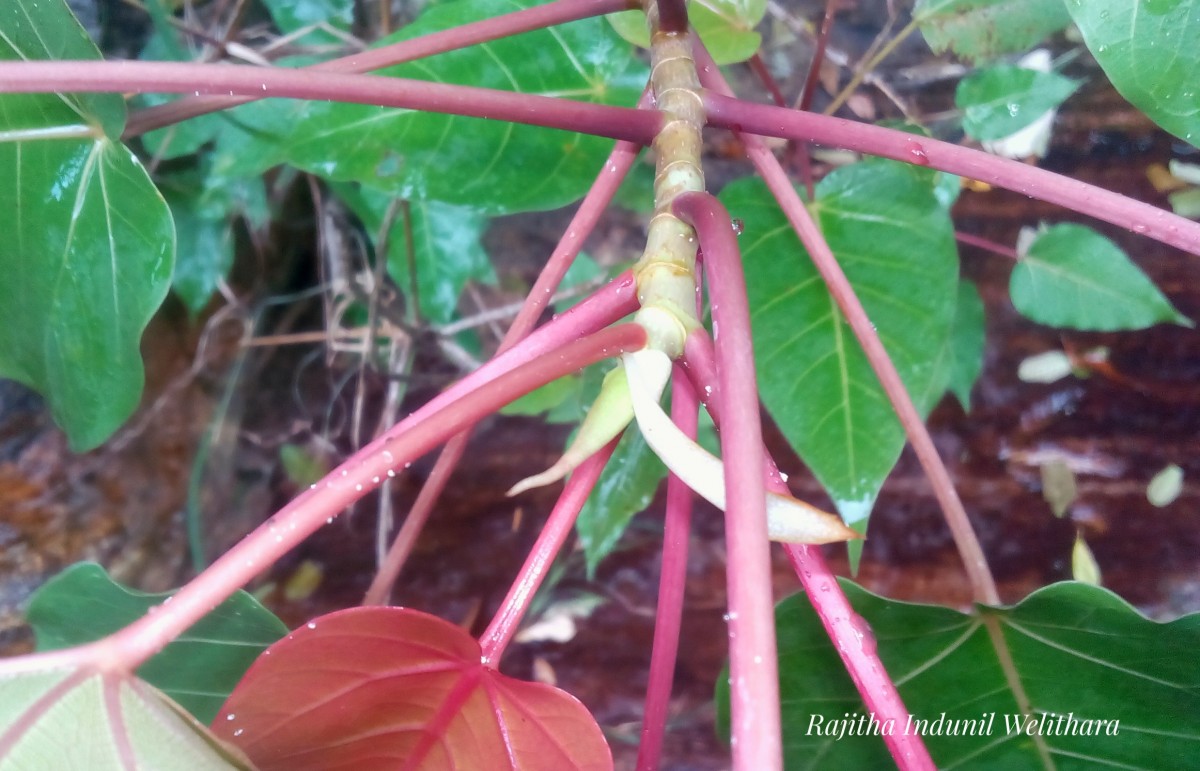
{"type": "Point", "coordinates": [123, 505]}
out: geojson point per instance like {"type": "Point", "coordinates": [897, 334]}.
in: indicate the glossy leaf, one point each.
{"type": "Point", "coordinates": [726, 27]}
{"type": "Point", "coordinates": [999, 101]}
{"type": "Point", "coordinates": [1148, 50]}
{"type": "Point", "coordinates": [447, 247]}
{"type": "Point", "coordinates": [89, 257]}
{"type": "Point", "coordinates": [380, 687]}
{"type": "Point", "coordinates": [625, 488]}
{"type": "Point", "coordinates": [896, 245]}
{"type": "Point", "coordinates": [1077, 651]}
{"type": "Point", "coordinates": [489, 165]}
{"type": "Point", "coordinates": [205, 209]}
{"type": "Point", "coordinates": [198, 670]}
{"type": "Point", "coordinates": [1071, 276]}
{"type": "Point", "coordinates": [966, 343]}
{"type": "Point", "coordinates": [984, 29]}
{"type": "Point", "coordinates": [76, 720]}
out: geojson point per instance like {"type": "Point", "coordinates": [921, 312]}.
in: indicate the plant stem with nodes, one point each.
{"type": "Point", "coordinates": [983, 585]}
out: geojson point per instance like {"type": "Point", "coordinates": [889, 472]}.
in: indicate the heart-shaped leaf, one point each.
{"type": "Point", "coordinates": [984, 29]}
{"type": "Point", "coordinates": [379, 687]}
{"type": "Point", "coordinates": [489, 165]}
{"type": "Point", "coordinates": [1081, 681]}
{"type": "Point", "coordinates": [199, 669]}
{"type": "Point", "coordinates": [895, 242]}
{"type": "Point", "coordinates": [447, 247]}
{"type": "Point", "coordinates": [1148, 50]}
{"type": "Point", "coordinates": [1071, 276]}
{"type": "Point", "coordinates": [999, 101]}
{"type": "Point", "coordinates": [89, 245]}
{"type": "Point", "coordinates": [79, 720]}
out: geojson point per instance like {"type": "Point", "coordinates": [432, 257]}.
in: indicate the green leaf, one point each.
{"type": "Point", "coordinates": [1077, 651]}
{"type": "Point", "coordinates": [205, 207]}
{"type": "Point", "coordinates": [92, 241]}
{"type": "Point", "coordinates": [544, 399]}
{"type": "Point", "coordinates": [493, 166]}
{"type": "Point", "coordinates": [303, 464]}
{"type": "Point", "coordinates": [896, 245]}
{"type": "Point", "coordinates": [447, 244]}
{"type": "Point", "coordinates": [626, 487]}
{"type": "Point", "coordinates": [181, 138]}
{"type": "Point", "coordinates": [296, 15]}
{"type": "Point", "coordinates": [1148, 50]}
{"type": "Point", "coordinates": [46, 29]}
{"type": "Point", "coordinates": [75, 720]}
{"type": "Point", "coordinates": [1071, 276]}
{"type": "Point", "coordinates": [726, 27]}
{"type": "Point", "coordinates": [984, 29]}
{"type": "Point", "coordinates": [966, 343]}
{"type": "Point", "coordinates": [1000, 101]}
{"type": "Point", "coordinates": [199, 669]}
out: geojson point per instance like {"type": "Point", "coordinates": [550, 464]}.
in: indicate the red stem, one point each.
{"type": "Point", "coordinates": [848, 631]}
{"type": "Point", "coordinates": [575, 493]}
{"type": "Point", "coordinates": [986, 244]}
{"type": "Point", "coordinates": [672, 583]}
{"type": "Point", "coordinates": [810, 87]}
{"type": "Point", "coordinates": [759, 68]}
{"type": "Point", "coordinates": [814, 67]}
{"type": "Point", "coordinates": [594, 203]}
{"type": "Point", "coordinates": [982, 583]}
{"type": "Point", "coordinates": [538, 17]}
{"type": "Point", "coordinates": [179, 77]}
{"type": "Point", "coordinates": [754, 675]}
{"type": "Point", "coordinates": [362, 472]}
{"type": "Point", "coordinates": [765, 120]}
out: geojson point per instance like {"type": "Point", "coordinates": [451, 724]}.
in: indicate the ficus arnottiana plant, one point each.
{"type": "Point", "coordinates": [91, 250]}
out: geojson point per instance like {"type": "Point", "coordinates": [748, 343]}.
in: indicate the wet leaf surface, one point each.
{"type": "Point", "coordinates": [94, 239]}
{"type": "Point", "coordinates": [400, 688]}
{"type": "Point", "coordinates": [1071, 276]}
{"type": "Point", "coordinates": [114, 723]}
{"type": "Point", "coordinates": [895, 242]}
{"type": "Point", "coordinates": [1148, 50]}
{"type": "Point", "coordinates": [983, 29]}
{"type": "Point", "coordinates": [198, 670]}
{"type": "Point", "coordinates": [1077, 652]}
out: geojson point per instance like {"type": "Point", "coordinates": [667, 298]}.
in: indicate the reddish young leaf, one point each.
{"type": "Point", "coordinates": [379, 687]}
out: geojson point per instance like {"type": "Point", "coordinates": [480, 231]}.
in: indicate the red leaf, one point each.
{"type": "Point", "coordinates": [392, 688]}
